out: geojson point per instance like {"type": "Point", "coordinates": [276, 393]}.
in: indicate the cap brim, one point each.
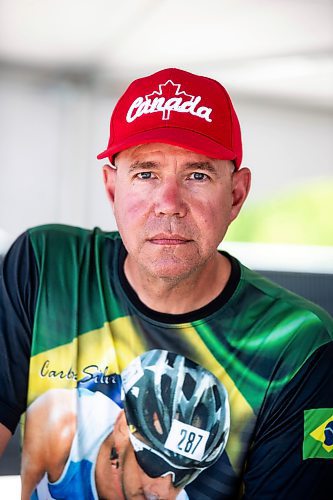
{"type": "Point", "coordinates": [184, 138]}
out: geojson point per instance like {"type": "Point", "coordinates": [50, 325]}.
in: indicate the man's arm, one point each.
{"type": "Point", "coordinates": [5, 436]}
{"type": "Point", "coordinates": [291, 456]}
{"type": "Point", "coordinates": [18, 293]}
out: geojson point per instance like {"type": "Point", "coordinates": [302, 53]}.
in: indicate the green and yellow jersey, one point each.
{"type": "Point", "coordinates": [69, 315]}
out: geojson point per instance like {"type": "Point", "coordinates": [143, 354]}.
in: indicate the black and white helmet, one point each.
{"type": "Point", "coordinates": [176, 409]}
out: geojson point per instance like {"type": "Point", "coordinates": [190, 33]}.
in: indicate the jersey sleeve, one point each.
{"type": "Point", "coordinates": [18, 293]}
{"type": "Point", "coordinates": [292, 452]}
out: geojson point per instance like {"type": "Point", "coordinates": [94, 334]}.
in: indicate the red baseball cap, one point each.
{"type": "Point", "coordinates": [179, 108]}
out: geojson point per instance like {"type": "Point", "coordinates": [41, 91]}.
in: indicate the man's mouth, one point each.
{"type": "Point", "coordinates": [168, 239]}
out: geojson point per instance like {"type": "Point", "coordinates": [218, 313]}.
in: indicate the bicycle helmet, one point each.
{"type": "Point", "coordinates": [177, 413]}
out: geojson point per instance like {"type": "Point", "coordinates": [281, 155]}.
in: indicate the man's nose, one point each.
{"type": "Point", "coordinates": [159, 488]}
{"type": "Point", "coordinates": [169, 199]}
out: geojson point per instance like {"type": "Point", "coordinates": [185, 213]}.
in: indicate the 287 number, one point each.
{"type": "Point", "coordinates": [189, 441]}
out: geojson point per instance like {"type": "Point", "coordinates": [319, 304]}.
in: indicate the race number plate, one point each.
{"type": "Point", "coordinates": [187, 440]}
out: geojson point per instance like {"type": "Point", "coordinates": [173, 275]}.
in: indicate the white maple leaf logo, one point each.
{"type": "Point", "coordinates": [168, 90]}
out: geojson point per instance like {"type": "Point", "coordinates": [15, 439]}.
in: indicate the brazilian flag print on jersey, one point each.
{"type": "Point", "coordinates": [318, 433]}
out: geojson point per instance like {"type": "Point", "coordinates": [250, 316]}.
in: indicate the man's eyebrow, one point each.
{"type": "Point", "coordinates": [191, 165]}
{"type": "Point", "coordinates": [201, 165]}
{"type": "Point", "coordinates": [142, 165]}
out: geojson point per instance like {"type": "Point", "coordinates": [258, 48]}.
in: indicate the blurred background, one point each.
{"type": "Point", "coordinates": [64, 63]}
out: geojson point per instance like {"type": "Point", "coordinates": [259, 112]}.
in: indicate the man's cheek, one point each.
{"type": "Point", "coordinates": [134, 209]}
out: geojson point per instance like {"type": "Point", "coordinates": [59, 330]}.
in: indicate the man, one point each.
{"type": "Point", "coordinates": [176, 183]}
{"type": "Point", "coordinates": [89, 447]}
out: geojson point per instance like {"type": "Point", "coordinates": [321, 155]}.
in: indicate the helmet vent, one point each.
{"type": "Point", "coordinates": [188, 386]}
{"type": "Point", "coordinates": [218, 401]}
{"type": "Point", "coordinates": [200, 418]}
{"type": "Point", "coordinates": [171, 357]}
{"type": "Point", "coordinates": [166, 389]}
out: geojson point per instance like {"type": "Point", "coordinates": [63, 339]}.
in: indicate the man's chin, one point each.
{"type": "Point", "coordinates": [171, 269]}
{"type": "Point", "coordinates": [166, 263]}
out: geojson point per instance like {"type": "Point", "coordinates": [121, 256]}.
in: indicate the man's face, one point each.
{"type": "Point", "coordinates": [172, 207]}
{"type": "Point", "coordinates": [136, 484]}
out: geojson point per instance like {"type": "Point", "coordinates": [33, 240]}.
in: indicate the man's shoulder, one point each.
{"type": "Point", "coordinates": [284, 306]}
{"type": "Point", "coordinates": [62, 236]}
{"type": "Point", "coordinates": [67, 231]}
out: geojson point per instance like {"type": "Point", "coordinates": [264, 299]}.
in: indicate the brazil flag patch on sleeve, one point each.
{"type": "Point", "coordinates": [318, 433]}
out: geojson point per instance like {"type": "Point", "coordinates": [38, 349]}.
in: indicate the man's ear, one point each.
{"type": "Point", "coordinates": [109, 176]}
{"type": "Point", "coordinates": [241, 183]}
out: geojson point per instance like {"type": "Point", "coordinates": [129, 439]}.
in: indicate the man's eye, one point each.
{"type": "Point", "coordinates": [198, 176]}
{"type": "Point", "coordinates": [145, 175]}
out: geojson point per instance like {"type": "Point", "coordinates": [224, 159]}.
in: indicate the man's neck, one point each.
{"type": "Point", "coordinates": [180, 296]}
